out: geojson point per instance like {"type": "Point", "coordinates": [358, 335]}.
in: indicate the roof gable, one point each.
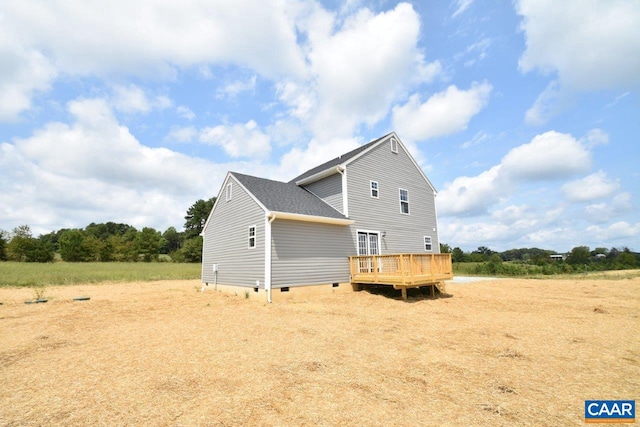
{"type": "Point", "coordinates": [350, 157]}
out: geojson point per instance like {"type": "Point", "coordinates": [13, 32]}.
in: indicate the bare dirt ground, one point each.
{"type": "Point", "coordinates": [499, 353]}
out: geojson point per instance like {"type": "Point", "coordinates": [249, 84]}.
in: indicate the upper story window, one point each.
{"type": "Point", "coordinates": [427, 244]}
{"type": "Point", "coordinates": [404, 201]}
{"type": "Point", "coordinates": [229, 192]}
{"type": "Point", "coordinates": [394, 145]}
{"type": "Point", "coordinates": [374, 189]}
{"type": "Point", "coordinates": [252, 237]}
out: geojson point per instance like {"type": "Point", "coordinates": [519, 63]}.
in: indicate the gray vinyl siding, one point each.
{"type": "Point", "coordinates": [329, 189]}
{"type": "Point", "coordinates": [306, 253]}
{"type": "Point", "coordinates": [226, 240]}
{"type": "Point", "coordinates": [404, 233]}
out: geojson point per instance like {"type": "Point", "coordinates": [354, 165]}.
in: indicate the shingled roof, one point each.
{"type": "Point", "coordinates": [337, 161]}
{"type": "Point", "coordinates": [287, 197]}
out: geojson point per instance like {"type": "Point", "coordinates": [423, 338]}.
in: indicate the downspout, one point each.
{"type": "Point", "coordinates": [268, 219]}
{"type": "Point", "coordinates": [345, 199]}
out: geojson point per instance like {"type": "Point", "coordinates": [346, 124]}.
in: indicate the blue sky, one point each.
{"type": "Point", "coordinates": [525, 115]}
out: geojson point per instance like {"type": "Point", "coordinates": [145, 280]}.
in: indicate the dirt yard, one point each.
{"type": "Point", "coordinates": [494, 353]}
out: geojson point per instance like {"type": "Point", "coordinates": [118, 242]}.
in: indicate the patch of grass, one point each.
{"type": "Point", "coordinates": [20, 274]}
{"type": "Point", "coordinates": [39, 292]}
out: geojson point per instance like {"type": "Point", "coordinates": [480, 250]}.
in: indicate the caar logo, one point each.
{"type": "Point", "coordinates": [610, 411]}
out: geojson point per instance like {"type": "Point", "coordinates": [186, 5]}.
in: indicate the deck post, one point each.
{"type": "Point", "coordinates": [375, 268]}
{"type": "Point", "coordinates": [412, 267]}
{"type": "Point", "coordinates": [433, 261]}
{"type": "Point", "coordinates": [404, 293]}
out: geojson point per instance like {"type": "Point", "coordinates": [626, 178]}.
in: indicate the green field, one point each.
{"type": "Point", "coordinates": [16, 274]}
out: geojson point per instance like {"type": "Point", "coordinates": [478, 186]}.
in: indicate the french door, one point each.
{"type": "Point", "coordinates": [368, 244]}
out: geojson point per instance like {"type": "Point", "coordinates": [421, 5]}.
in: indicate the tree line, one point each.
{"type": "Point", "coordinates": [525, 261]}
{"type": "Point", "coordinates": [110, 241]}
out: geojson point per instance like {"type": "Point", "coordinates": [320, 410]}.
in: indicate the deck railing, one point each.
{"type": "Point", "coordinates": [401, 270]}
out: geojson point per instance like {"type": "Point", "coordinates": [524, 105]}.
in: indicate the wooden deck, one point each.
{"type": "Point", "coordinates": [402, 271]}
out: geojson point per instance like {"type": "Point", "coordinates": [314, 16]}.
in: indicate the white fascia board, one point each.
{"type": "Point", "coordinates": [224, 183]}
{"type": "Point", "coordinates": [309, 218]}
{"type": "Point", "coordinates": [322, 174]}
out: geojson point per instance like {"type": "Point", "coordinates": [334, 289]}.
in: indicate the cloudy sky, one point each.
{"type": "Point", "coordinates": [525, 115]}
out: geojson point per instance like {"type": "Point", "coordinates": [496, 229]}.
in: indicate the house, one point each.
{"type": "Point", "coordinates": [323, 227]}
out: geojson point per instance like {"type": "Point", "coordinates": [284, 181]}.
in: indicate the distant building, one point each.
{"type": "Point", "coordinates": [557, 257]}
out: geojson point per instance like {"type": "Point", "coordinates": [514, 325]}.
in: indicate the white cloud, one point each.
{"type": "Point", "coordinates": [232, 89]}
{"type": "Point", "coordinates": [442, 114]}
{"type": "Point", "coordinates": [549, 156]}
{"type": "Point", "coordinates": [238, 140]}
{"type": "Point", "coordinates": [606, 211]}
{"type": "Point", "coordinates": [96, 170]}
{"type": "Point", "coordinates": [590, 48]}
{"type": "Point", "coordinates": [24, 72]}
{"type": "Point", "coordinates": [476, 51]}
{"type": "Point", "coordinates": [462, 5]}
{"type": "Point", "coordinates": [182, 134]}
{"type": "Point", "coordinates": [299, 160]}
{"type": "Point", "coordinates": [591, 187]}
{"type": "Point", "coordinates": [547, 105]}
{"type": "Point", "coordinates": [185, 112]}
{"type": "Point", "coordinates": [368, 51]}
{"type": "Point", "coordinates": [473, 195]}
{"type": "Point", "coordinates": [301, 98]}
{"type": "Point", "coordinates": [478, 138]}
{"type": "Point", "coordinates": [130, 99]}
{"type": "Point", "coordinates": [595, 137]}
{"type": "Point", "coordinates": [615, 232]}
{"type": "Point", "coordinates": [39, 41]}
{"type": "Point", "coordinates": [587, 48]}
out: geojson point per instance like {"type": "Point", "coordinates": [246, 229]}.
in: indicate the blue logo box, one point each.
{"type": "Point", "coordinates": [609, 411]}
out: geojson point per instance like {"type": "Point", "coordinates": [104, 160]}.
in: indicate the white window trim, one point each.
{"type": "Point", "coordinates": [400, 190]}
{"type": "Point", "coordinates": [430, 244]}
{"type": "Point", "coordinates": [377, 189]}
{"type": "Point", "coordinates": [255, 237]}
{"type": "Point", "coordinates": [229, 192]}
{"type": "Point", "coordinates": [394, 142]}
{"type": "Point", "coordinates": [379, 233]}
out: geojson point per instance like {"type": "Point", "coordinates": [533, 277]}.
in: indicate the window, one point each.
{"type": "Point", "coordinates": [374, 189]}
{"type": "Point", "coordinates": [427, 243]}
{"type": "Point", "coordinates": [404, 201]}
{"type": "Point", "coordinates": [394, 145]}
{"type": "Point", "coordinates": [229, 192]}
{"type": "Point", "coordinates": [252, 237]}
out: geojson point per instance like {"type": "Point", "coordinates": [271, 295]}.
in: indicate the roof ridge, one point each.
{"type": "Point", "coordinates": [338, 160]}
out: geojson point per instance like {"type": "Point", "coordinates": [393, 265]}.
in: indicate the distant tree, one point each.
{"type": "Point", "coordinates": [457, 255]}
{"type": "Point", "coordinates": [147, 244]}
{"type": "Point", "coordinates": [579, 255]}
{"type": "Point", "coordinates": [92, 248]}
{"type": "Point", "coordinates": [4, 239]}
{"type": "Point", "coordinates": [20, 243]}
{"type": "Point", "coordinates": [445, 248]}
{"type": "Point", "coordinates": [192, 250]}
{"type": "Point", "coordinates": [197, 216]}
{"type": "Point", "coordinates": [40, 250]}
{"type": "Point", "coordinates": [24, 247]}
{"type": "Point", "coordinates": [172, 240]}
{"type": "Point", "coordinates": [104, 230]}
{"type": "Point", "coordinates": [72, 247]}
{"type": "Point", "coordinates": [483, 250]}
{"type": "Point", "coordinates": [627, 259]}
